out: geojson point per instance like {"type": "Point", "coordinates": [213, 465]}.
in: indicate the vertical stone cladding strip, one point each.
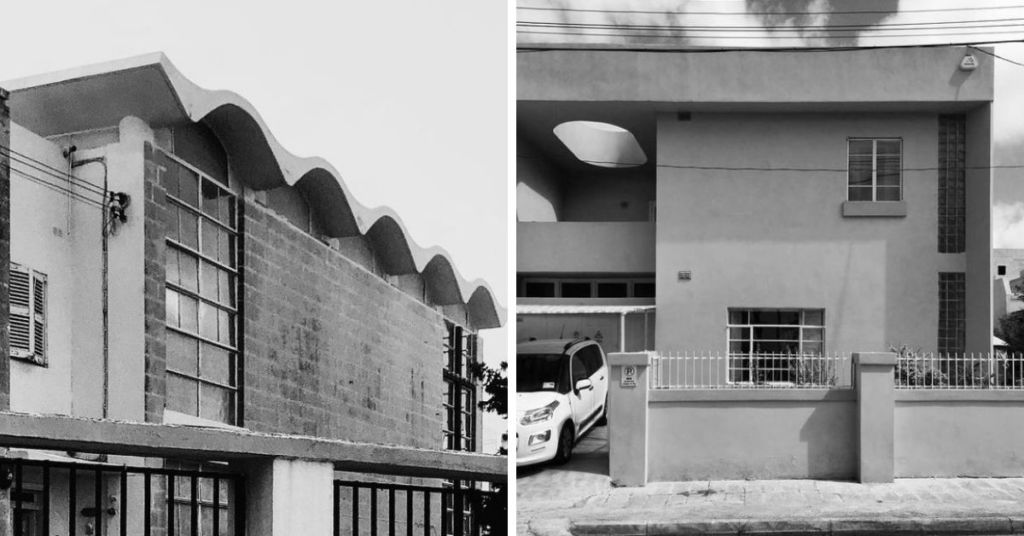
{"type": "Point", "coordinates": [628, 410]}
{"type": "Point", "coordinates": [952, 216]}
{"type": "Point", "coordinates": [5, 249]}
{"type": "Point", "coordinates": [155, 231]}
{"type": "Point", "coordinates": [876, 399]}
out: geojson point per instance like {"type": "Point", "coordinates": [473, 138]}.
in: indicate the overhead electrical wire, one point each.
{"type": "Point", "coordinates": [778, 169]}
{"type": "Point", "coordinates": [688, 35]}
{"type": "Point", "coordinates": [653, 48]}
{"type": "Point", "coordinates": [46, 169]}
{"type": "Point", "coordinates": [761, 13]}
{"type": "Point", "coordinates": [56, 188]}
{"type": "Point", "coordinates": [997, 56]}
{"type": "Point", "coordinates": [940, 25]}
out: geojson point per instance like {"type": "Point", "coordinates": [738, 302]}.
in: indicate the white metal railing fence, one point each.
{"type": "Point", "coordinates": [709, 370]}
{"type": "Point", "coordinates": [959, 371]}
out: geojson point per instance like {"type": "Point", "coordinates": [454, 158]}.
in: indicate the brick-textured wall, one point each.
{"type": "Point", "coordinates": [155, 232]}
{"type": "Point", "coordinates": [332, 350]}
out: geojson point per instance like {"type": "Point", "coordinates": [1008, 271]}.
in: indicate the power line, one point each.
{"type": "Point", "coordinates": [786, 13]}
{"type": "Point", "coordinates": [938, 25]}
{"type": "Point", "coordinates": [997, 56]}
{"type": "Point", "coordinates": [778, 169]}
{"type": "Point", "coordinates": [56, 188]}
{"type": "Point", "coordinates": [690, 36]}
{"type": "Point", "coordinates": [531, 48]}
{"type": "Point", "coordinates": [45, 169]}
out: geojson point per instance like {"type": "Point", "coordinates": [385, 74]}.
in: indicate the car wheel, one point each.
{"type": "Point", "coordinates": [565, 444]}
{"type": "Point", "coordinates": [603, 421]}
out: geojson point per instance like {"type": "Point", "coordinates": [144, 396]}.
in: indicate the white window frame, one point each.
{"type": "Point", "coordinates": [874, 169]}
{"type": "Point", "coordinates": [751, 354]}
{"type": "Point", "coordinates": [36, 317]}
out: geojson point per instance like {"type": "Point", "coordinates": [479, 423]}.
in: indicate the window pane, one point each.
{"type": "Point", "coordinates": [776, 347]}
{"type": "Point", "coordinates": [172, 267]}
{"type": "Point", "coordinates": [539, 289]}
{"type": "Point", "coordinates": [189, 230]}
{"type": "Point", "coordinates": [860, 193]}
{"type": "Point", "coordinates": [739, 347]}
{"type": "Point", "coordinates": [812, 334]}
{"type": "Point", "coordinates": [227, 210]}
{"type": "Point", "coordinates": [643, 290]}
{"type": "Point", "coordinates": [860, 170]}
{"type": "Point", "coordinates": [169, 175]}
{"type": "Point", "coordinates": [182, 394]}
{"type": "Point", "coordinates": [888, 171]}
{"type": "Point", "coordinates": [189, 271]}
{"type": "Point", "coordinates": [888, 193]}
{"type": "Point", "coordinates": [861, 147]}
{"type": "Point", "coordinates": [211, 194]}
{"type": "Point", "coordinates": [210, 237]}
{"type": "Point", "coordinates": [188, 186]}
{"type": "Point", "coordinates": [225, 328]}
{"type": "Point", "coordinates": [208, 280]}
{"type": "Point", "coordinates": [739, 333]}
{"type": "Point", "coordinates": [215, 365]}
{"type": "Point", "coordinates": [813, 348]}
{"type": "Point", "coordinates": [612, 290]}
{"type": "Point", "coordinates": [182, 353]}
{"type": "Point", "coordinates": [171, 304]}
{"type": "Point", "coordinates": [790, 318]}
{"type": "Point", "coordinates": [738, 317]}
{"type": "Point", "coordinates": [226, 249]}
{"type": "Point", "coordinates": [889, 147]}
{"type": "Point", "coordinates": [225, 288]}
{"type": "Point", "coordinates": [765, 316]}
{"type": "Point", "coordinates": [575, 290]}
{"type": "Point", "coordinates": [217, 403]}
{"type": "Point", "coordinates": [207, 321]}
{"type": "Point", "coordinates": [814, 317]}
{"type": "Point", "coordinates": [188, 312]}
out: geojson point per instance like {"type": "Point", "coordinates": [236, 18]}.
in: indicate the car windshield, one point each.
{"type": "Point", "coordinates": [539, 372]}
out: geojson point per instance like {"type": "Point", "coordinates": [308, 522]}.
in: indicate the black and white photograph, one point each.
{"type": "Point", "coordinates": [770, 267]}
{"type": "Point", "coordinates": [253, 268]}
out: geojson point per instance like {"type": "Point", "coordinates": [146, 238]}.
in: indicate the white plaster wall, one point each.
{"type": "Point", "coordinates": [759, 239]}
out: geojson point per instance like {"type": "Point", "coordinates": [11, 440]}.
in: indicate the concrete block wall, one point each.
{"type": "Point", "coordinates": [5, 247]}
{"type": "Point", "coordinates": [331, 349]}
{"type": "Point", "coordinates": [155, 303]}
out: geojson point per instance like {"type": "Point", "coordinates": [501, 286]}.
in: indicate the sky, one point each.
{"type": "Point", "coordinates": [409, 102]}
{"type": "Point", "coordinates": [767, 20]}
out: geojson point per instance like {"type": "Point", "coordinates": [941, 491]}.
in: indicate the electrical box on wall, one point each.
{"type": "Point", "coordinates": [685, 275]}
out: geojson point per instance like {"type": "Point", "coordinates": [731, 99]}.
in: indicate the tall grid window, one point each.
{"type": "Point", "coordinates": [201, 294]}
{"type": "Point", "coordinates": [952, 183]}
{"type": "Point", "coordinates": [875, 168]}
{"type": "Point", "coordinates": [460, 352]}
{"type": "Point", "coordinates": [952, 313]}
{"type": "Point", "coordinates": [763, 342]}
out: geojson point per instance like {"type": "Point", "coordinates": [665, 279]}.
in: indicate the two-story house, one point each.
{"type": "Point", "coordinates": [755, 202]}
{"type": "Point", "coordinates": [173, 264]}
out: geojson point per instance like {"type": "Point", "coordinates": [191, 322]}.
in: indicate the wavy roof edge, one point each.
{"type": "Point", "coordinates": [232, 116]}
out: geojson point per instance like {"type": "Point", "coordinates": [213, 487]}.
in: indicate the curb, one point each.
{"type": "Point", "coordinates": [992, 525]}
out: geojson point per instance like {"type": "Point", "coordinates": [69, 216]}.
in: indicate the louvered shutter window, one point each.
{"type": "Point", "coordinates": [28, 314]}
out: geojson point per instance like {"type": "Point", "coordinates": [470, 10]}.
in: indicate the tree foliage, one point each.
{"type": "Point", "coordinates": [495, 382]}
{"type": "Point", "coordinates": [1011, 330]}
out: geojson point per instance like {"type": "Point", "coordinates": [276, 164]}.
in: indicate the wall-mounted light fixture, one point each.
{"type": "Point", "coordinates": [968, 63]}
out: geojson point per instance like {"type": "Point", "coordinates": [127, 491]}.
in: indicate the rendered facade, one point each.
{"type": "Point", "coordinates": [172, 264]}
{"type": "Point", "coordinates": [756, 202]}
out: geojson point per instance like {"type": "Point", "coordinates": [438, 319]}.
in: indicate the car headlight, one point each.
{"type": "Point", "coordinates": [540, 414]}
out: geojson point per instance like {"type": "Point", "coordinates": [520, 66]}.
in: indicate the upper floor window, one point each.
{"type": "Point", "coordinates": [201, 294]}
{"type": "Point", "coordinates": [614, 287]}
{"type": "Point", "coordinates": [28, 314]}
{"type": "Point", "coordinates": [875, 169]}
{"type": "Point", "coordinates": [460, 352]}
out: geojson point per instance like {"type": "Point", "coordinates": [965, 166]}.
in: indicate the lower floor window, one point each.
{"type": "Point", "coordinates": [764, 344]}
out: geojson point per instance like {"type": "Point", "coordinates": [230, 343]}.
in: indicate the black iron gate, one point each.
{"type": "Point", "coordinates": [372, 508]}
{"type": "Point", "coordinates": [49, 497]}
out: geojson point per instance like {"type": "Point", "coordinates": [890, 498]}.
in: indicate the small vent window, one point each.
{"type": "Point", "coordinates": [28, 315]}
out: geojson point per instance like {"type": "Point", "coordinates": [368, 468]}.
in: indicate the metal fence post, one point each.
{"type": "Point", "coordinates": [627, 418]}
{"type": "Point", "coordinates": [875, 407]}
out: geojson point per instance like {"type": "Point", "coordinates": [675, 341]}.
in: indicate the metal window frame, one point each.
{"type": "Point", "coordinates": [751, 354]}
{"type": "Point", "coordinates": [233, 311]}
{"type": "Point", "coordinates": [874, 166]}
{"type": "Point", "coordinates": [630, 283]}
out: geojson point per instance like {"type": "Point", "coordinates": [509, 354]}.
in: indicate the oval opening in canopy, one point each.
{"type": "Point", "coordinates": [601, 144]}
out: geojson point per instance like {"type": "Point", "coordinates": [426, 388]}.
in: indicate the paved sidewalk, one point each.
{"type": "Point", "coordinates": [579, 499]}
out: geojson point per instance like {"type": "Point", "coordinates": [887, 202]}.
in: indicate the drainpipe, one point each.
{"type": "Point", "coordinates": [622, 332]}
{"type": "Point", "coordinates": [105, 283]}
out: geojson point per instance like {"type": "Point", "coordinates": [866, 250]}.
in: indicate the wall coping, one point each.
{"type": "Point", "coordinates": [875, 358]}
{"type": "Point", "coordinates": [59, 432]}
{"type": "Point", "coordinates": [967, 395]}
{"type": "Point", "coordinates": [624, 359]}
{"type": "Point", "coordinates": [752, 395]}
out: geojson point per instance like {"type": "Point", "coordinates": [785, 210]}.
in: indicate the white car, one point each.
{"type": "Point", "coordinates": [562, 391]}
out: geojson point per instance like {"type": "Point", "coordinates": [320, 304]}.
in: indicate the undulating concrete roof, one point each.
{"type": "Point", "coordinates": [151, 88]}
